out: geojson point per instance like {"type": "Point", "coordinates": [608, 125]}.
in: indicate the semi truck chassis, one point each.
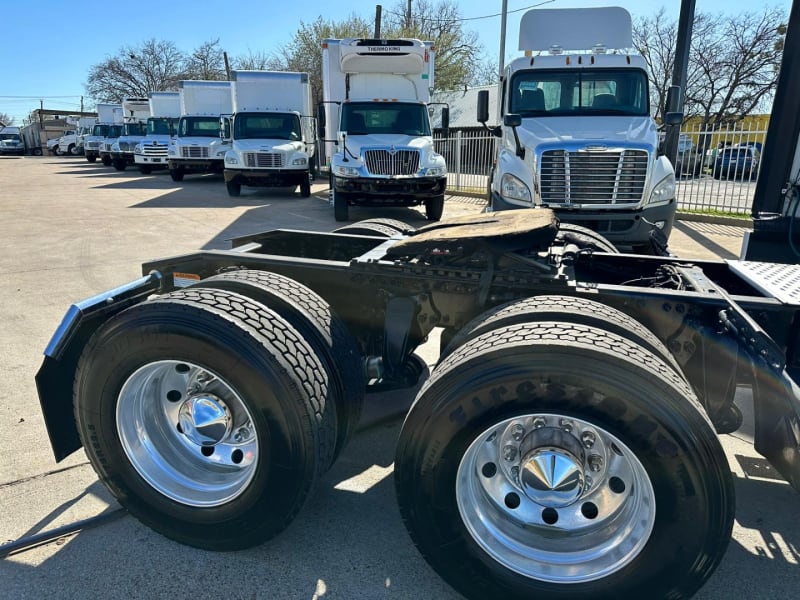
{"type": "Point", "coordinates": [565, 444]}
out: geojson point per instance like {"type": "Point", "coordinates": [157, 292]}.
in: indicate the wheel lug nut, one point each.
{"type": "Point", "coordinates": [509, 452]}
{"type": "Point", "coordinates": [588, 439]}
{"type": "Point", "coordinates": [587, 482]}
{"type": "Point", "coordinates": [566, 425]}
{"type": "Point", "coordinates": [539, 422]}
{"type": "Point", "coordinates": [515, 473]}
{"type": "Point", "coordinates": [518, 432]}
{"type": "Point", "coordinates": [595, 462]}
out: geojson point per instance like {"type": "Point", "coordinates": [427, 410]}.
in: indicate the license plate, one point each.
{"type": "Point", "coordinates": [156, 160]}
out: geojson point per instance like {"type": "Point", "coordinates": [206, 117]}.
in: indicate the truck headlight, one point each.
{"type": "Point", "coordinates": [664, 191]}
{"type": "Point", "coordinates": [221, 153]}
{"type": "Point", "coordinates": [171, 151]}
{"type": "Point", "coordinates": [300, 162]}
{"type": "Point", "coordinates": [137, 148]}
{"type": "Point", "coordinates": [513, 188]}
{"type": "Point", "coordinates": [231, 160]}
{"type": "Point", "coordinates": [435, 171]}
{"type": "Point", "coordinates": [346, 171]}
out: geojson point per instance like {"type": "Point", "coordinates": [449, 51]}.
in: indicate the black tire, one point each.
{"type": "Point", "coordinates": [565, 309]}
{"type": "Point", "coordinates": [277, 383]}
{"type": "Point", "coordinates": [234, 189]}
{"type": "Point", "coordinates": [106, 160]}
{"type": "Point", "coordinates": [145, 169]}
{"type": "Point", "coordinates": [91, 159]}
{"type": "Point", "coordinates": [36, 151]}
{"type": "Point", "coordinates": [54, 150]}
{"type": "Point", "coordinates": [434, 207]}
{"type": "Point", "coordinates": [325, 332]}
{"type": "Point", "coordinates": [305, 188]}
{"type": "Point", "coordinates": [72, 150]}
{"type": "Point", "coordinates": [585, 237]}
{"type": "Point", "coordinates": [176, 174]}
{"type": "Point", "coordinates": [119, 164]}
{"type": "Point", "coordinates": [362, 228]}
{"type": "Point", "coordinates": [566, 380]}
{"type": "Point", "coordinates": [340, 208]}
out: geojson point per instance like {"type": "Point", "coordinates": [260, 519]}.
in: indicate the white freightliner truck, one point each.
{"type": "Point", "coordinates": [72, 141]}
{"type": "Point", "coordinates": [576, 133]}
{"type": "Point", "coordinates": [379, 147]}
{"type": "Point", "coordinates": [151, 152]}
{"type": "Point", "coordinates": [196, 147]}
{"type": "Point", "coordinates": [136, 112]}
{"type": "Point", "coordinates": [107, 115]}
{"type": "Point", "coordinates": [272, 131]}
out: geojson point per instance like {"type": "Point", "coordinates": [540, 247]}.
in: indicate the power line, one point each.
{"type": "Point", "coordinates": [478, 18]}
{"type": "Point", "coordinates": [38, 97]}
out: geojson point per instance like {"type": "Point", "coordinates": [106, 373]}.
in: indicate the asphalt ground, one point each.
{"type": "Point", "coordinates": [72, 229]}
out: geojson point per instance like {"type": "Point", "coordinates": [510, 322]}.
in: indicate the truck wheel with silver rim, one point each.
{"type": "Point", "coordinates": [555, 460]}
{"type": "Point", "coordinates": [207, 416]}
{"type": "Point", "coordinates": [73, 150]}
{"type": "Point", "coordinates": [326, 333]}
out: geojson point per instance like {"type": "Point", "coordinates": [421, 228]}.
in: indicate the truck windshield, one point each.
{"type": "Point", "coordinates": [133, 129]}
{"type": "Point", "coordinates": [101, 130]}
{"type": "Point", "coordinates": [266, 126]}
{"type": "Point", "coordinates": [198, 127]}
{"type": "Point", "coordinates": [363, 118]}
{"type": "Point", "coordinates": [114, 131]}
{"type": "Point", "coordinates": [544, 93]}
{"type": "Point", "coordinates": [159, 126]}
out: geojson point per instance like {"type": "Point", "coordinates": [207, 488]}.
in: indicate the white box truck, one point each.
{"type": "Point", "coordinates": [107, 114]}
{"type": "Point", "coordinates": [151, 152]}
{"type": "Point", "coordinates": [11, 141]}
{"type": "Point", "coordinates": [576, 133]}
{"type": "Point", "coordinates": [108, 127]}
{"type": "Point", "coordinates": [196, 147]}
{"type": "Point", "coordinates": [135, 111]}
{"type": "Point", "coordinates": [272, 131]}
{"type": "Point", "coordinates": [378, 145]}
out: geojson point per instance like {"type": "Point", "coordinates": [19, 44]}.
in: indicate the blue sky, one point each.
{"type": "Point", "coordinates": [49, 45]}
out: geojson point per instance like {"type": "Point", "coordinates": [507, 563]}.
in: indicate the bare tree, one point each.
{"type": "Point", "coordinates": [733, 62]}
{"type": "Point", "coordinates": [207, 61]}
{"type": "Point", "coordinates": [6, 119]}
{"type": "Point", "coordinates": [136, 71]}
{"type": "Point", "coordinates": [252, 61]}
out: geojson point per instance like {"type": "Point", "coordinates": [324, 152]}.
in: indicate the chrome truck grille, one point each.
{"type": "Point", "coordinates": [194, 152]}
{"type": "Point", "coordinates": [582, 177]}
{"type": "Point", "coordinates": [127, 146]}
{"type": "Point", "coordinates": [154, 150]}
{"type": "Point", "coordinates": [107, 147]}
{"type": "Point", "coordinates": [92, 145]}
{"type": "Point", "coordinates": [385, 162]}
{"type": "Point", "coordinates": [266, 160]}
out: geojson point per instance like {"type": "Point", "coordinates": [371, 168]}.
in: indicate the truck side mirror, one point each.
{"type": "Point", "coordinates": [512, 120]}
{"type": "Point", "coordinates": [446, 121]}
{"type": "Point", "coordinates": [673, 115]}
{"type": "Point", "coordinates": [225, 129]}
{"type": "Point", "coordinates": [483, 106]}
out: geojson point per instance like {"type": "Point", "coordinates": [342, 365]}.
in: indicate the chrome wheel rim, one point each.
{"type": "Point", "coordinates": [187, 433]}
{"type": "Point", "coordinates": [555, 498]}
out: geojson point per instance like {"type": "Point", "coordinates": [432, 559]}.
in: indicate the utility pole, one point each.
{"type": "Point", "coordinates": [503, 18]}
{"type": "Point", "coordinates": [227, 65]}
{"type": "Point", "coordinates": [378, 9]}
{"type": "Point", "coordinates": [81, 104]}
{"type": "Point", "coordinates": [408, 17]}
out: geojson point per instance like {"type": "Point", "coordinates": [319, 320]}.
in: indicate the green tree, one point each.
{"type": "Point", "coordinates": [207, 61]}
{"type": "Point", "coordinates": [6, 119]}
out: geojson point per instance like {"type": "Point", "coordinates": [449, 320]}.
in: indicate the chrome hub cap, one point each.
{"type": "Point", "coordinates": [205, 420]}
{"type": "Point", "coordinates": [187, 433]}
{"type": "Point", "coordinates": [555, 498]}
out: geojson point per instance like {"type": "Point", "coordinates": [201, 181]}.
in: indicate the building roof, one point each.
{"type": "Point", "coordinates": [464, 107]}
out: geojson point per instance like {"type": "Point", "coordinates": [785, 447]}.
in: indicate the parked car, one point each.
{"type": "Point", "coordinates": [737, 161]}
